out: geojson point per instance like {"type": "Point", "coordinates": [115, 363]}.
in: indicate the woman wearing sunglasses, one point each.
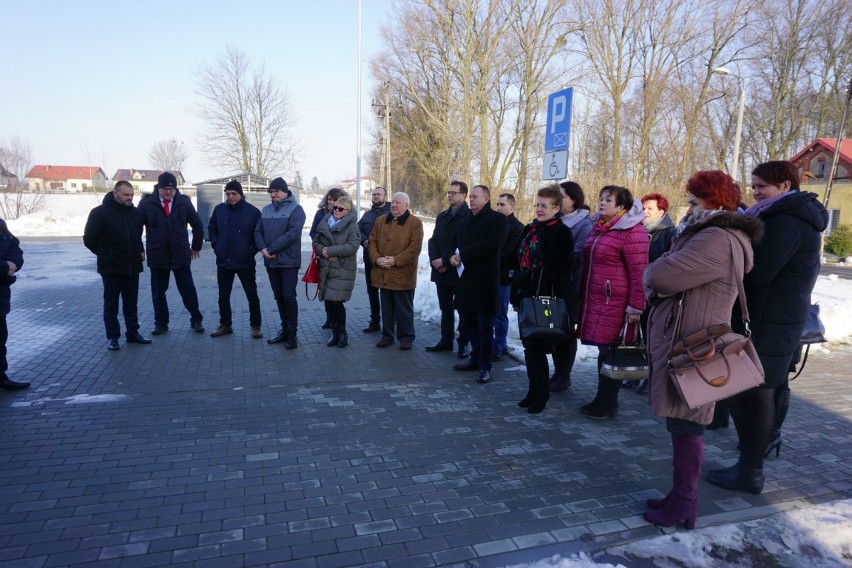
{"type": "Point", "coordinates": [336, 243]}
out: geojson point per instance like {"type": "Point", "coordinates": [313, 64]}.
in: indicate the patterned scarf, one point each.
{"type": "Point", "coordinates": [601, 226]}
{"type": "Point", "coordinates": [529, 251]}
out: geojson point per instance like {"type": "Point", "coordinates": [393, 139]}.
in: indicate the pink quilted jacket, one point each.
{"type": "Point", "coordinates": [613, 263]}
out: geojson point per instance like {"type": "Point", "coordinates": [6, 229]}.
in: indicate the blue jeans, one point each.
{"type": "Point", "coordinates": [501, 321]}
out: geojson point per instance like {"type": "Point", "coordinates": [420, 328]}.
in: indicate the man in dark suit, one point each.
{"type": "Point", "coordinates": [165, 215]}
{"type": "Point", "coordinates": [442, 246]}
{"type": "Point", "coordinates": [508, 261]}
{"type": "Point", "coordinates": [477, 259]}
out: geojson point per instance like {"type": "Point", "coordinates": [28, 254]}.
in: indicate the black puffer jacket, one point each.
{"type": "Point", "coordinates": [114, 233]}
{"type": "Point", "coordinates": [778, 288]}
{"type": "Point", "coordinates": [231, 230]}
{"type": "Point", "coordinates": [10, 249]}
{"type": "Point", "coordinates": [662, 237]}
{"type": "Point", "coordinates": [166, 239]}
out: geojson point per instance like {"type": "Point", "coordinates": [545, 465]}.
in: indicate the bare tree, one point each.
{"type": "Point", "coordinates": [16, 156]}
{"type": "Point", "coordinates": [247, 116]}
{"type": "Point", "coordinates": [168, 155]}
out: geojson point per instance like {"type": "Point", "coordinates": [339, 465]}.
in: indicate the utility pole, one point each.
{"type": "Point", "coordinates": [384, 111]}
{"type": "Point", "coordinates": [838, 141]}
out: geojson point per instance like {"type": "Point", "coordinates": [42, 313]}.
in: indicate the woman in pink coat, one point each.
{"type": "Point", "coordinates": [701, 265]}
{"type": "Point", "coordinates": [614, 256]}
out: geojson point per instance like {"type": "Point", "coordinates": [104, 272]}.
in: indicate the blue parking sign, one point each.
{"type": "Point", "coordinates": [558, 120]}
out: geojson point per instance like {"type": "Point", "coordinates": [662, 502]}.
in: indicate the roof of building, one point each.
{"type": "Point", "coordinates": [133, 174]}
{"type": "Point", "coordinates": [830, 145]}
{"type": "Point", "coordinates": [64, 172]}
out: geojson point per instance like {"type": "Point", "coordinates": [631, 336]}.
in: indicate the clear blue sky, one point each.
{"type": "Point", "coordinates": [100, 82]}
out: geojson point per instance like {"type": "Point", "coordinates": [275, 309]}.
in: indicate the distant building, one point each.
{"type": "Point", "coordinates": [367, 187]}
{"type": "Point", "coordinates": [143, 180]}
{"type": "Point", "coordinates": [66, 178]}
{"type": "Point", "coordinates": [814, 163]}
{"type": "Point", "coordinates": [8, 180]}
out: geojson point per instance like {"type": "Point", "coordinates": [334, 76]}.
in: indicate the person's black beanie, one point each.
{"type": "Point", "coordinates": [234, 185]}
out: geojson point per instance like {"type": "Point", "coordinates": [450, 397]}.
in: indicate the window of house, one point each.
{"type": "Point", "coordinates": [74, 184]}
{"type": "Point", "coordinates": [820, 173]}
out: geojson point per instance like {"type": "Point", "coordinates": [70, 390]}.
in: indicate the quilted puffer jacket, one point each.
{"type": "Point", "coordinates": [613, 263]}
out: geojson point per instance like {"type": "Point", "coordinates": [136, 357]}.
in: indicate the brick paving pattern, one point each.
{"type": "Point", "coordinates": [207, 452]}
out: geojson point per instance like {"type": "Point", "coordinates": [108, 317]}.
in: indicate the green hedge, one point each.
{"type": "Point", "coordinates": [839, 242]}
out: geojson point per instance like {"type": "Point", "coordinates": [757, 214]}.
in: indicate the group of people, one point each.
{"type": "Point", "coordinates": [625, 266]}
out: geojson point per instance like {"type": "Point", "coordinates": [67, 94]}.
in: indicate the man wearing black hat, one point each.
{"type": "Point", "coordinates": [231, 232]}
{"type": "Point", "coordinates": [278, 236]}
{"type": "Point", "coordinates": [114, 233]}
{"type": "Point", "coordinates": [165, 215]}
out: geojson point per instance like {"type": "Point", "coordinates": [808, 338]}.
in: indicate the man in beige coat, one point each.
{"type": "Point", "coordinates": [394, 247]}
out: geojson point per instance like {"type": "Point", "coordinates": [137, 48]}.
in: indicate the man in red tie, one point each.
{"type": "Point", "coordinates": [165, 215]}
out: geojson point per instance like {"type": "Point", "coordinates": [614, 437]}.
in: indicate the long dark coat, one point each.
{"type": "Point", "coordinates": [700, 263]}
{"type": "Point", "coordinates": [10, 249]}
{"type": "Point", "coordinates": [337, 277]}
{"type": "Point", "coordinates": [509, 250]}
{"type": "Point", "coordinates": [479, 241]}
{"type": "Point", "coordinates": [114, 233]}
{"type": "Point", "coordinates": [443, 243]}
{"type": "Point", "coordinates": [556, 273]}
{"type": "Point", "coordinates": [786, 266]}
{"type": "Point", "coordinates": [166, 240]}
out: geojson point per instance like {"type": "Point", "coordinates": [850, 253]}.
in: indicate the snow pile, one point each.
{"type": "Point", "coordinates": [834, 296]}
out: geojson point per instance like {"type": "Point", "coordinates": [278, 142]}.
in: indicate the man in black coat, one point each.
{"type": "Point", "coordinates": [442, 246]}
{"type": "Point", "coordinates": [165, 215]}
{"type": "Point", "coordinates": [508, 262]}
{"type": "Point", "coordinates": [114, 233]}
{"type": "Point", "coordinates": [231, 231]}
{"type": "Point", "coordinates": [380, 208]}
{"type": "Point", "coordinates": [477, 259]}
{"type": "Point", "coordinates": [12, 258]}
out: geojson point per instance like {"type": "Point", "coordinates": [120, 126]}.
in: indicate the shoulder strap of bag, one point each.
{"type": "Point", "coordinates": [739, 273]}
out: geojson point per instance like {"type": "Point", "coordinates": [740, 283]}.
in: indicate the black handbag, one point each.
{"type": "Point", "coordinates": [627, 361]}
{"type": "Point", "coordinates": [544, 317]}
{"type": "Point", "coordinates": [814, 332]}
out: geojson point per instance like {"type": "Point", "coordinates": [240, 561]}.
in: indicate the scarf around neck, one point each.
{"type": "Point", "coordinates": [530, 255]}
{"type": "Point", "coordinates": [602, 226]}
{"type": "Point", "coordinates": [761, 206]}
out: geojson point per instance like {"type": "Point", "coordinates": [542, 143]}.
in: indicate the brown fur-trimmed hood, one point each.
{"type": "Point", "coordinates": [751, 227]}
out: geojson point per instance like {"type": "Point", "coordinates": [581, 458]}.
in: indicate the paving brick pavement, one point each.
{"type": "Point", "coordinates": [196, 451]}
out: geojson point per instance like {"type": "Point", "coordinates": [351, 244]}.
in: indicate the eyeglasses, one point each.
{"type": "Point", "coordinates": [452, 193]}
{"type": "Point", "coordinates": [337, 208]}
{"type": "Point", "coordinates": [544, 206]}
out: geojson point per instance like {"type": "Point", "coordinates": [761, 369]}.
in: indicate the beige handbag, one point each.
{"type": "Point", "coordinates": [714, 363]}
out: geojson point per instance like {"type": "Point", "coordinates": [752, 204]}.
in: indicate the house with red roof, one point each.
{"type": "Point", "coordinates": [814, 163]}
{"type": "Point", "coordinates": [143, 180]}
{"type": "Point", "coordinates": [66, 178]}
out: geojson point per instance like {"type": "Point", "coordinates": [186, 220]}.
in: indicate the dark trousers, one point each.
{"type": "Point", "coordinates": [448, 315]}
{"type": "Point", "coordinates": [480, 329]}
{"type": "Point", "coordinates": [501, 321]}
{"type": "Point", "coordinates": [225, 280]}
{"type": "Point", "coordinates": [4, 335]}
{"type": "Point", "coordinates": [127, 288]}
{"type": "Point", "coordinates": [372, 292]}
{"type": "Point", "coordinates": [564, 354]}
{"type": "Point", "coordinates": [398, 311]}
{"type": "Point", "coordinates": [283, 283]}
{"type": "Point", "coordinates": [186, 288]}
{"type": "Point", "coordinates": [337, 314]}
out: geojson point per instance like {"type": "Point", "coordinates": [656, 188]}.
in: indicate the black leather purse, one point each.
{"type": "Point", "coordinates": [627, 361]}
{"type": "Point", "coordinates": [544, 317]}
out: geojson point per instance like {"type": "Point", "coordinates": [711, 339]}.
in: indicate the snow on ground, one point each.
{"type": "Point", "coordinates": [807, 537]}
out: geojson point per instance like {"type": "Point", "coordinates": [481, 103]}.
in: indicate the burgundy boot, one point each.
{"type": "Point", "coordinates": [681, 504]}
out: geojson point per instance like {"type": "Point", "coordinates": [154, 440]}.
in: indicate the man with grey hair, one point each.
{"type": "Point", "coordinates": [393, 249]}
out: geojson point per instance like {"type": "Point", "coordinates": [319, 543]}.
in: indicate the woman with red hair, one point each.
{"type": "Point", "coordinates": [778, 290]}
{"type": "Point", "coordinates": [699, 275]}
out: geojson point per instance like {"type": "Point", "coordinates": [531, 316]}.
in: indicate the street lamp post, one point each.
{"type": "Point", "coordinates": [741, 110]}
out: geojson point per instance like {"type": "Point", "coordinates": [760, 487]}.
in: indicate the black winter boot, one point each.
{"type": "Point", "coordinates": [344, 337]}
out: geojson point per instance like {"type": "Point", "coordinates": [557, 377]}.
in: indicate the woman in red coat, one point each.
{"type": "Point", "coordinates": [614, 257]}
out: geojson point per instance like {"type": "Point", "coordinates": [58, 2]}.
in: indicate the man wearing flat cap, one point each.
{"type": "Point", "coordinates": [231, 233]}
{"type": "Point", "coordinates": [278, 236]}
{"type": "Point", "coordinates": [165, 215]}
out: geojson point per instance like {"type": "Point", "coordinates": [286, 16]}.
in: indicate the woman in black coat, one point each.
{"type": "Point", "coordinates": [778, 292]}
{"type": "Point", "coordinates": [545, 259]}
